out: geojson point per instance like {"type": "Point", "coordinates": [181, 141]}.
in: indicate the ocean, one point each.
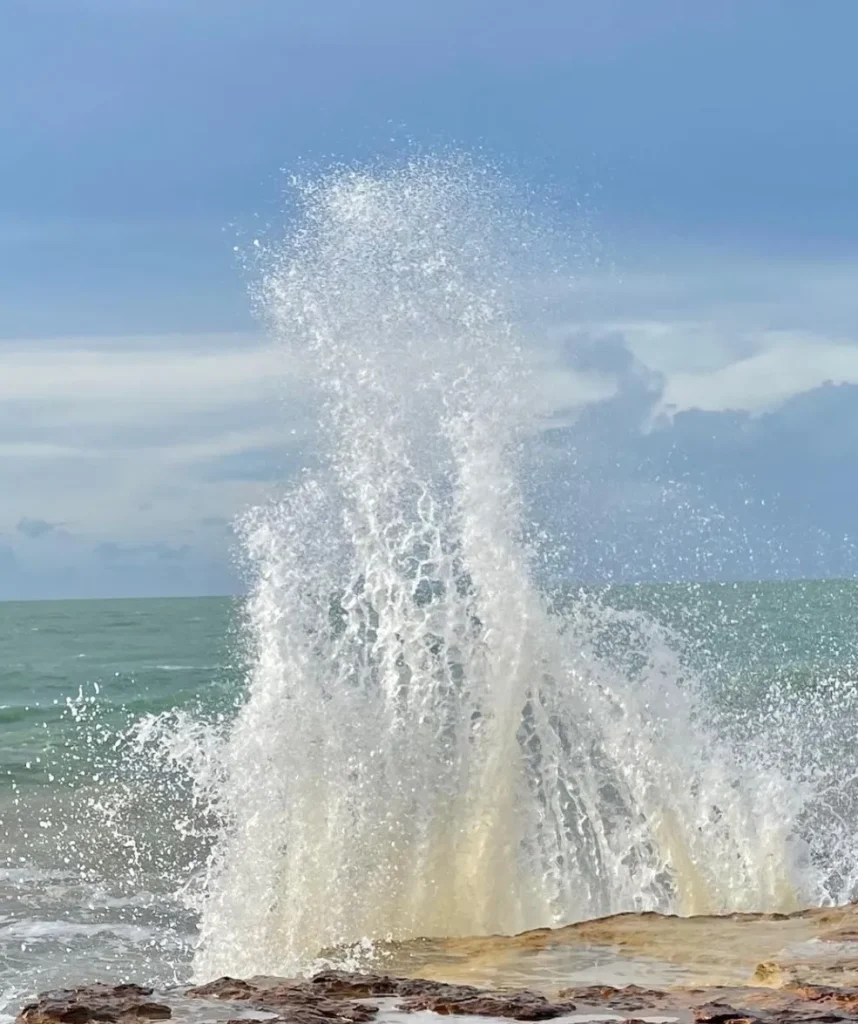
{"type": "Point", "coordinates": [68, 906]}
{"type": "Point", "coordinates": [406, 738]}
{"type": "Point", "coordinates": [77, 676]}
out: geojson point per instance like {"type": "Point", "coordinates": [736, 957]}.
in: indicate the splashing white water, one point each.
{"type": "Point", "coordinates": [425, 749]}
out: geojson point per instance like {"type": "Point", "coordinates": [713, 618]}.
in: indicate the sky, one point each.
{"type": "Point", "coordinates": [711, 148]}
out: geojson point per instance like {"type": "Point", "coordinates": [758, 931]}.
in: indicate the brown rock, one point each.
{"type": "Point", "coordinates": [722, 1013]}
{"type": "Point", "coordinates": [117, 1003]}
{"type": "Point", "coordinates": [515, 1005]}
{"type": "Point", "coordinates": [629, 999]}
{"type": "Point", "coordinates": [330, 995]}
{"type": "Point", "coordinates": [348, 985]}
{"type": "Point", "coordinates": [223, 988]}
{"type": "Point", "coordinates": [845, 998]}
{"type": "Point", "coordinates": [437, 989]}
{"type": "Point", "coordinates": [422, 994]}
{"type": "Point", "coordinates": [295, 1002]}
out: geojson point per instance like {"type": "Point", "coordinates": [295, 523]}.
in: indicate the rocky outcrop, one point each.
{"type": "Point", "coordinates": [333, 993]}
{"type": "Point", "coordinates": [630, 999]}
{"type": "Point", "coordinates": [347, 998]}
{"type": "Point", "coordinates": [791, 1004]}
{"type": "Point", "coordinates": [330, 995]}
{"type": "Point", "coordinates": [514, 1005]}
{"type": "Point", "coordinates": [294, 1001]}
{"type": "Point", "coordinates": [117, 1004]}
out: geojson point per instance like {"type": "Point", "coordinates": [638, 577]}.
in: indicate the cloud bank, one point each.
{"type": "Point", "coordinates": [682, 434]}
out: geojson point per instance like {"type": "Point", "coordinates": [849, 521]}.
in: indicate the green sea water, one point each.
{"type": "Point", "coordinates": [76, 675]}
{"type": "Point", "coordinates": [146, 656]}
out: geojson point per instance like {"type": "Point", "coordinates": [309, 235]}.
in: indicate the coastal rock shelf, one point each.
{"type": "Point", "coordinates": [329, 996]}
{"type": "Point", "coordinates": [799, 968]}
{"type": "Point", "coordinates": [324, 995]}
{"type": "Point", "coordinates": [118, 1003]}
{"type": "Point", "coordinates": [361, 998]}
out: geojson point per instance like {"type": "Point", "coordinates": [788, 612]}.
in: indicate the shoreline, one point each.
{"type": "Point", "coordinates": [799, 968]}
{"type": "Point", "coordinates": [334, 997]}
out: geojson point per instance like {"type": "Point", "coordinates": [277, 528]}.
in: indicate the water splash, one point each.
{"type": "Point", "coordinates": [425, 747]}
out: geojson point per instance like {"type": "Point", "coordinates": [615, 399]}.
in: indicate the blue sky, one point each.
{"type": "Point", "coordinates": [713, 146]}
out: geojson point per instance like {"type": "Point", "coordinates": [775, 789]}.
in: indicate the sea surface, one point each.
{"type": "Point", "coordinates": [77, 677]}
{"type": "Point", "coordinates": [74, 677]}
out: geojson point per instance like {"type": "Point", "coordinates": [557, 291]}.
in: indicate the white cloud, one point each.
{"type": "Point", "coordinates": [784, 366]}
{"type": "Point", "coordinates": [116, 434]}
{"type": "Point", "coordinates": [145, 440]}
{"type": "Point", "coordinates": [136, 378]}
{"type": "Point", "coordinates": [713, 365]}
{"type": "Point", "coordinates": [111, 435]}
{"type": "Point", "coordinates": [560, 389]}
{"type": "Point", "coordinates": [726, 330]}
{"type": "Point", "coordinates": [32, 450]}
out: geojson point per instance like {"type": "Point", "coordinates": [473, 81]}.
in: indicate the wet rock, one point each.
{"type": "Point", "coordinates": [117, 1003]}
{"type": "Point", "coordinates": [422, 994]}
{"type": "Point", "coordinates": [340, 997]}
{"type": "Point", "coordinates": [299, 1006]}
{"type": "Point", "coordinates": [722, 1013]}
{"type": "Point", "coordinates": [421, 987]}
{"type": "Point", "coordinates": [844, 998]}
{"type": "Point", "coordinates": [349, 985]}
{"type": "Point", "coordinates": [223, 988]}
{"type": "Point", "coordinates": [331, 995]}
{"type": "Point", "coordinates": [515, 1005]}
{"type": "Point", "coordinates": [295, 1002]}
{"type": "Point", "coordinates": [629, 999]}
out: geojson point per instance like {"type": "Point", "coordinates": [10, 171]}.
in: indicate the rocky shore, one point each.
{"type": "Point", "coordinates": [753, 968]}
{"type": "Point", "coordinates": [336, 996]}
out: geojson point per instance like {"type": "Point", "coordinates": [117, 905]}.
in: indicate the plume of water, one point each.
{"type": "Point", "coordinates": [425, 748]}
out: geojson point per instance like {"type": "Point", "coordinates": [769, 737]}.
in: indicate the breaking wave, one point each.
{"type": "Point", "coordinates": [427, 746]}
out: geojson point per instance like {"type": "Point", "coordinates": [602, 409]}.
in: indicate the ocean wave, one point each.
{"type": "Point", "coordinates": [188, 668]}
{"type": "Point", "coordinates": [35, 930]}
{"type": "Point", "coordinates": [22, 875]}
